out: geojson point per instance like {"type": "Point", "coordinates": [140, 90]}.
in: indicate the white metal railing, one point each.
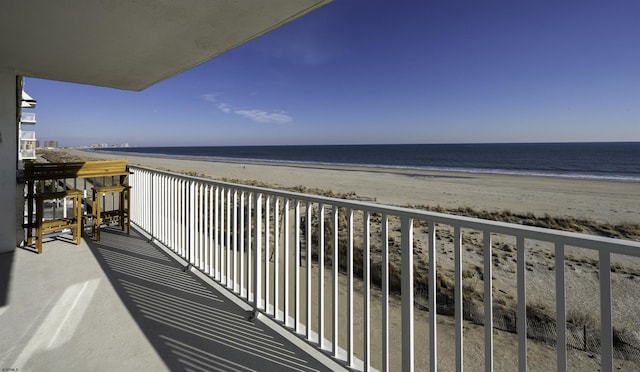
{"type": "Point", "coordinates": [254, 241]}
{"type": "Point", "coordinates": [27, 153]}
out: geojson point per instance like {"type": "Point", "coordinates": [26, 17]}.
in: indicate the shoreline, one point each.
{"type": "Point", "coordinates": [613, 202]}
{"type": "Point", "coordinates": [450, 172]}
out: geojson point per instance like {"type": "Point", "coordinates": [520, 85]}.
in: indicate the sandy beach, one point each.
{"type": "Point", "coordinates": [601, 201]}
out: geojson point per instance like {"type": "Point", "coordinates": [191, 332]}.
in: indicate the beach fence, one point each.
{"type": "Point", "coordinates": [357, 280]}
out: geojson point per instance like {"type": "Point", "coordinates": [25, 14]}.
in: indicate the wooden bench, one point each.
{"type": "Point", "coordinates": [57, 172]}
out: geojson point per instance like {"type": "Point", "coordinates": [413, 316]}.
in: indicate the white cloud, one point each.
{"type": "Point", "coordinates": [210, 97]}
{"type": "Point", "coordinates": [224, 108]}
{"type": "Point", "coordinates": [260, 116]}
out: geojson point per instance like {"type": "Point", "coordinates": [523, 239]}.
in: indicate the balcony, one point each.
{"type": "Point", "coordinates": [28, 118]}
{"type": "Point", "coordinates": [27, 154]}
{"type": "Point", "coordinates": [27, 145]}
{"type": "Point", "coordinates": [28, 135]}
{"type": "Point", "coordinates": [272, 252]}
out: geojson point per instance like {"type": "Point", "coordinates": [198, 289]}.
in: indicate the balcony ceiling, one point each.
{"type": "Point", "coordinates": [131, 44]}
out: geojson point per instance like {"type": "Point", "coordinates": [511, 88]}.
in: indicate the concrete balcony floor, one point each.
{"type": "Point", "coordinates": [125, 304]}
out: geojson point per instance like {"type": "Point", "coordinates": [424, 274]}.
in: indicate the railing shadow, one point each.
{"type": "Point", "coordinates": [189, 323]}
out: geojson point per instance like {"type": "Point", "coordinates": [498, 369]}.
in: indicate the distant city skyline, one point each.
{"type": "Point", "coordinates": [374, 72]}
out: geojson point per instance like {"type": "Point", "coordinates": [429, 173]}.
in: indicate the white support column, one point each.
{"type": "Point", "coordinates": [9, 223]}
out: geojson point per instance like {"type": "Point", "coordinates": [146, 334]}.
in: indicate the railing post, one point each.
{"type": "Point", "coordinates": [385, 293]}
{"type": "Point", "coordinates": [366, 263]}
{"type": "Point", "coordinates": [236, 236]}
{"type": "Point", "coordinates": [350, 288]}
{"type": "Point", "coordinates": [191, 225]}
{"type": "Point", "coordinates": [335, 263]}
{"type": "Point", "coordinates": [243, 292]}
{"type": "Point", "coordinates": [257, 241]}
{"type": "Point", "coordinates": [182, 212]}
{"type": "Point", "coordinates": [217, 240]}
{"type": "Point", "coordinates": [286, 261]}
{"type": "Point", "coordinates": [433, 294]}
{"type": "Point", "coordinates": [458, 302]}
{"type": "Point", "coordinates": [227, 248]}
{"type": "Point", "coordinates": [276, 257]}
{"type": "Point", "coordinates": [296, 279]}
{"type": "Point", "coordinates": [407, 294]}
{"type": "Point", "coordinates": [309, 267]}
{"type": "Point", "coordinates": [267, 201]}
{"type": "Point", "coordinates": [321, 276]}
{"type": "Point", "coordinates": [606, 328]}
{"type": "Point", "coordinates": [201, 216]}
{"type": "Point", "coordinates": [160, 211]}
{"type": "Point", "coordinates": [488, 301]}
{"type": "Point", "coordinates": [561, 315]}
{"type": "Point", "coordinates": [207, 229]}
{"type": "Point", "coordinates": [175, 209]}
{"type": "Point", "coordinates": [249, 248]}
{"type": "Point", "coordinates": [521, 318]}
{"type": "Point", "coordinates": [151, 208]}
{"type": "Point", "coordinates": [169, 212]}
{"type": "Point", "coordinates": [209, 232]}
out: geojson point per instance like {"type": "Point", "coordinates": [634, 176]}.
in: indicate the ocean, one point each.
{"type": "Point", "coordinates": [618, 161]}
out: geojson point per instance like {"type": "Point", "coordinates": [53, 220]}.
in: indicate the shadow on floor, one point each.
{"type": "Point", "coordinates": [188, 322]}
{"type": "Point", "coordinates": [6, 264]}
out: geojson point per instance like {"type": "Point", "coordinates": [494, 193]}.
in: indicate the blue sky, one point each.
{"type": "Point", "coordinates": [373, 71]}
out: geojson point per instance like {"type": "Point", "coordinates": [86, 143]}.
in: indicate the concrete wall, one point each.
{"type": "Point", "coordinates": [8, 161]}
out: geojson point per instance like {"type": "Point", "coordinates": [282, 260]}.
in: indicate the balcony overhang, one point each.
{"type": "Point", "coordinates": [131, 44]}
